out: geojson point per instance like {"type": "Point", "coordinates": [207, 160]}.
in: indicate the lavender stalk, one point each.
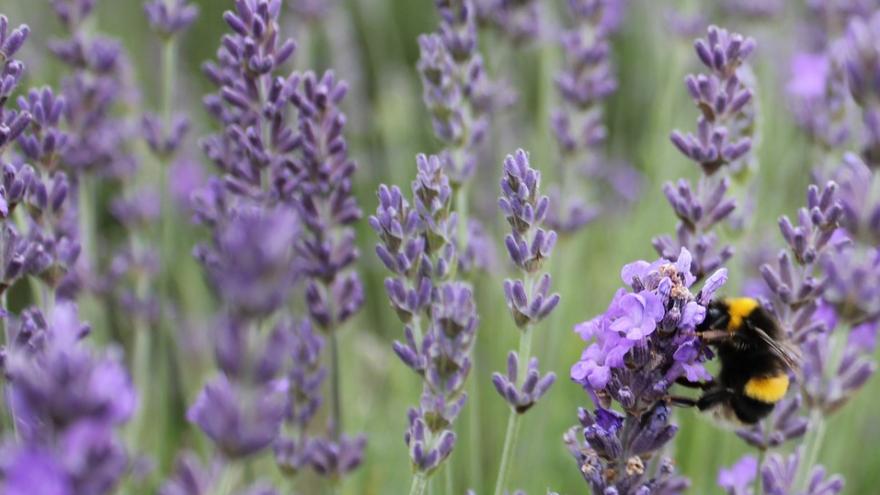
{"type": "Point", "coordinates": [439, 313]}
{"type": "Point", "coordinates": [528, 299]}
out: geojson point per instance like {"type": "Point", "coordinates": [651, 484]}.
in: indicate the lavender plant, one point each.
{"type": "Point", "coordinates": [528, 299]}
{"type": "Point", "coordinates": [585, 81]}
{"type": "Point", "coordinates": [439, 313]}
{"type": "Point", "coordinates": [285, 203]}
{"type": "Point", "coordinates": [861, 58]}
{"type": "Point", "coordinates": [461, 99]}
{"type": "Point", "coordinates": [723, 140]}
{"type": "Point", "coordinates": [642, 344]}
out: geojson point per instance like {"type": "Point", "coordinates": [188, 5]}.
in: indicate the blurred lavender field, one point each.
{"type": "Point", "coordinates": [416, 246]}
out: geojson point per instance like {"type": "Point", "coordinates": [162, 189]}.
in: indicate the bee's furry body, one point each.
{"type": "Point", "coordinates": [754, 363]}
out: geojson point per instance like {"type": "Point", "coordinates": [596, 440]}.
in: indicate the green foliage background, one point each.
{"type": "Point", "coordinates": [372, 43]}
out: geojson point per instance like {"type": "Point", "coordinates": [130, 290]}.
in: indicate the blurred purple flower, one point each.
{"type": "Point", "coordinates": [170, 18]}
{"type": "Point", "coordinates": [738, 479]}
{"type": "Point", "coordinates": [861, 57]}
{"type": "Point", "coordinates": [585, 82]}
{"type": "Point", "coordinates": [34, 472]}
{"type": "Point", "coordinates": [817, 94]}
{"type": "Point", "coordinates": [240, 420]}
{"type": "Point", "coordinates": [251, 261]}
{"type": "Point", "coordinates": [779, 472]}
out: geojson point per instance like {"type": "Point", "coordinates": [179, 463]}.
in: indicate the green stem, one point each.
{"type": "Point", "coordinates": [169, 61]}
{"type": "Point", "coordinates": [419, 483]}
{"type": "Point", "coordinates": [812, 447]}
{"type": "Point", "coordinates": [448, 478]}
{"type": "Point", "coordinates": [513, 421]}
{"type": "Point", "coordinates": [334, 385]}
{"type": "Point", "coordinates": [758, 485]}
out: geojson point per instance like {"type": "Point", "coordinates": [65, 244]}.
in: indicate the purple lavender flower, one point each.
{"type": "Point", "coordinates": [45, 141]}
{"type": "Point", "coordinates": [325, 202]}
{"type": "Point", "coordinates": [305, 378]}
{"type": "Point", "coordinates": [67, 403]}
{"type": "Point", "coordinates": [528, 298]}
{"type": "Point", "coordinates": [241, 420]}
{"type": "Point", "coordinates": [641, 345]}
{"type": "Point", "coordinates": [585, 82]}
{"type": "Point", "coordinates": [12, 123]}
{"type": "Point", "coordinates": [518, 20]}
{"type": "Point", "coordinates": [779, 474]}
{"type": "Point", "coordinates": [34, 472]}
{"type": "Point", "coordinates": [860, 62]}
{"type": "Point", "coordinates": [528, 244]}
{"type": "Point", "coordinates": [817, 93]}
{"type": "Point", "coordinates": [252, 262]}
{"type": "Point", "coordinates": [456, 89]}
{"type": "Point", "coordinates": [657, 318]}
{"type": "Point", "coordinates": [170, 18]}
{"type": "Point", "coordinates": [739, 478]}
{"type": "Point", "coordinates": [189, 477]}
{"type": "Point", "coordinates": [611, 462]}
{"type": "Point", "coordinates": [439, 315]}
{"type": "Point", "coordinates": [287, 174]}
{"type": "Point", "coordinates": [861, 211]}
{"type": "Point", "coordinates": [726, 124]}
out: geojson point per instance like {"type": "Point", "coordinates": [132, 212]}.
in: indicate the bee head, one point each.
{"type": "Point", "coordinates": [717, 317]}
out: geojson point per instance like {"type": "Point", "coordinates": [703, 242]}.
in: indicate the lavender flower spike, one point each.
{"type": "Point", "coordinates": [528, 299]}
{"type": "Point", "coordinates": [12, 123]}
{"type": "Point", "coordinates": [861, 65]}
{"type": "Point", "coordinates": [585, 82]}
{"type": "Point", "coordinates": [440, 315]}
{"type": "Point", "coordinates": [726, 125]}
{"type": "Point", "coordinates": [640, 346]}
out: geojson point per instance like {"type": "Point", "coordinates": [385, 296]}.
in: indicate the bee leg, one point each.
{"type": "Point", "coordinates": [714, 336]}
{"type": "Point", "coordinates": [679, 401]}
{"type": "Point", "coordinates": [712, 398]}
{"type": "Point", "coordinates": [684, 382]}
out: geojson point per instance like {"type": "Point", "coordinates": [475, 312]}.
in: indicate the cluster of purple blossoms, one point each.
{"type": "Point", "coordinates": [641, 345]}
{"type": "Point", "coordinates": [170, 18]}
{"type": "Point", "coordinates": [585, 81]}
{"type": "Point", "coordinates": [97, 84]}
{"type": "Point", "coordinates": [517, 20]}
{"type": "Point", "coordinates": [281, 215]}
{"type": "Point", "coordinates": [67, 403]}
{"type": "Point", "coordinates": [439, 313]}
{"type": "Point", "coordinates": [724, 128]}
{"type": "Point", "coordinates": [818, 96]}
{"type": "Point", "coordinates": [528, 299]}
{"type": "Point", "coordinates": [461, 100]}
{"type": "Point", "coordinates": [777, 477]}
{"type": "Point", "coordinates": [726, 124]}
{"type": "Point", "coordinates": [861, 61]}
{"type": "Point", "coordinates": [40, 238]}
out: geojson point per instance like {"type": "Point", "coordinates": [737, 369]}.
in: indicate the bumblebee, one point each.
{"type": "Point", "coordinates": [756, 361]}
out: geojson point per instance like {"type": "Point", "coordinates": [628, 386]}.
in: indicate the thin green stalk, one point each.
{"type": "Point", "coordinates": [448, 478]}
{"type": "Point", "coordinates": [336, 394]}
{"type": "Point", "coordinates": [758, 485]}
{"type": "Point", "coordinates": [419, 483]}
{"type": "Point", "coordinates": [514, 420]}
{"type": "Point", "coordinates": [510, 437]}
{"type": "Point", "coordinates": [812, 447]}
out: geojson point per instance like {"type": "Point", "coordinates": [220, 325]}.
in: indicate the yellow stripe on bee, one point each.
{"type": "Point", "coordinates": [767, 389]}
{"type": "Point", "coordinates": [739, 308]}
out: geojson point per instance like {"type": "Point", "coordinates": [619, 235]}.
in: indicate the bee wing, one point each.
{"type": "Point", "coordinates": [784, 351]}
